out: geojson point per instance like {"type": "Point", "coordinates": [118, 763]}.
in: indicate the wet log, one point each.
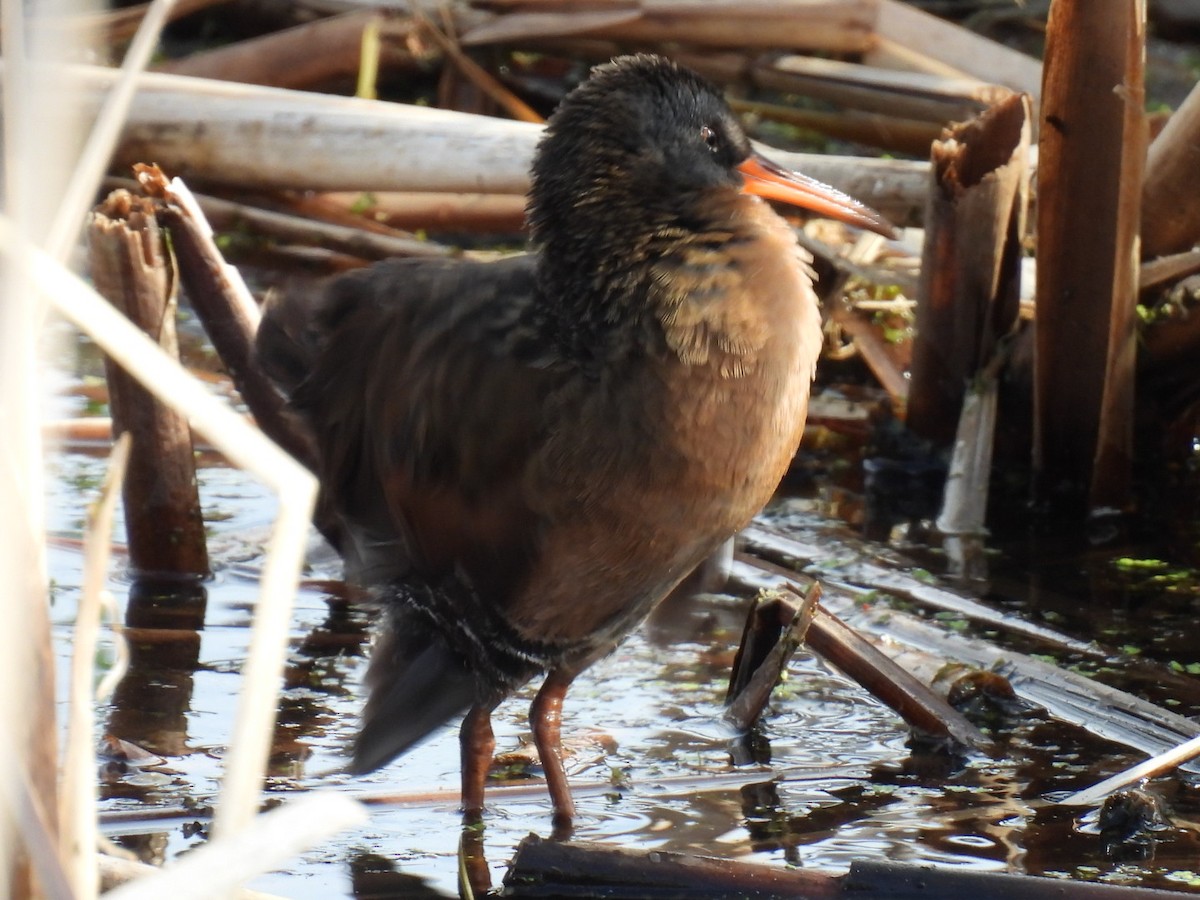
{"type": "Point", "coordinates": [904, 881]}
{"type": "Point", "coordinates": [269, 138]}
{"type": "Point", "coordinates": [969, 291]}
{"type": "Point", "coordinates": [130, 267]}
{"type": "Point", "coordinates": [1173, 172]}
{"type": "Point", "coordinates": [1092, 152]}
{"type": "Point", "coordinates": [554, 869]}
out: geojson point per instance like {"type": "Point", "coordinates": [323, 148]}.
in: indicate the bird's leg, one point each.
{"type": "Point", "coordinates": [545, 717]}
{"type": "Point", "coordinates": [476, 743]}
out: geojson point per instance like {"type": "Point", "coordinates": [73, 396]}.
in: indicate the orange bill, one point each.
{"type": "Point", "coordinates": [773, 182]}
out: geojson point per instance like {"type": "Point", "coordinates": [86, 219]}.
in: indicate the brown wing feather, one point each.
{"type": "Point", "coordinates": [425, 461]}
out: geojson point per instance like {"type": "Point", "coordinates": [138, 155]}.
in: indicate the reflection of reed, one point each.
{"type": "Point", "coordinates": [315, 672]}
{"type": "Point", "coordinates": [150, 706]}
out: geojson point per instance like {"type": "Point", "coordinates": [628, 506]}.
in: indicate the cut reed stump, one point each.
{"type": "Point", "coordinates": [1092, 154]}
{"type": "Point", "coordinates": [969, 291]}
{"type": "Point", "coordinates": [130, 266]}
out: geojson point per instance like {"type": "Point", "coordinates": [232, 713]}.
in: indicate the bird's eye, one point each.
{"type": "Point", "coordinates": [710, 137]}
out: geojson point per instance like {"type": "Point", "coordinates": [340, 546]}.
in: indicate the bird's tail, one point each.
{"type": "Point", "coordinates": [417, 682]}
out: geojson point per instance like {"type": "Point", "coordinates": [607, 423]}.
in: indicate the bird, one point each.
{"type": "Point", "coordinates": [523, 456]}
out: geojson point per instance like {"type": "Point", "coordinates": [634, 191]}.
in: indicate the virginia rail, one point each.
{"type": "Point", "coordinates": [525, 456]}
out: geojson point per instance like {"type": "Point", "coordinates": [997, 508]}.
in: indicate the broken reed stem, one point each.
{"type": "Point", "coordinates": [914, 96]}
{"type": "Point", "coordinates": [965, 499]}
{"type": "Point", "coordinates": [78, 834]}
{"type": "Point", "coordinates": [886, 132]}
{"type": "Point", "coordinates": [1170, 225]}
{"type": "Point", "coordinates": [29, 752]}
{"type": "Point", "coordinates": [368, 60]}
{"type": "Point", "coordinates": [35, 166]}
{"type": "Point", "coordinates": [227, 215]}
{"type": "Point", "coordinates": [908, 697]}
{"type": "Point", "coordinates": [888, 366]}
{"type": "Point", "coordinates": [875, 352]}
{"type": "Point", "coordinates": [229, 314]}
{"type": "Point", "coordinates": [908, 37]}
{"type": "Point", "coordinates": [434, 212]}
{"type": "Point", "coordinates": [1156, 765]}
{"type": "Point", "coordinates": [775, 626]}
{"type": "Point", "coordinates": [838, 643]}
{"type": "Point", "coordinates": [115, 871]}
{"type": "Point", "coordinates": [477, 75]}
{"type": "Point", "coordinates": [1166, 270]}
{"type": "Point", "coordinates": [270, 840]}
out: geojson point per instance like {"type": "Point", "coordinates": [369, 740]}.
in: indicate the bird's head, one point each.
{"type": "Point", "coordinates": [644, 140]}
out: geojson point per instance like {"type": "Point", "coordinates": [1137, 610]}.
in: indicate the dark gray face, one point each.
{"type": "Point", "coordinates": [639, 130]}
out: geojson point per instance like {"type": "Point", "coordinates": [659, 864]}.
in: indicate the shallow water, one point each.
{"type": "Point", "coordinates": [652, 764]}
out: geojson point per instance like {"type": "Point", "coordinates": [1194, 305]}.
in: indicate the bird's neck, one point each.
{"type": "Point", "coordinates": [610, 284]}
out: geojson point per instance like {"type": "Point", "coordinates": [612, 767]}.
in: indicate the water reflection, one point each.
{"type": "Point", "coordinates": [375, 877]}
{"type": "Point", "coordinates": [151, 704]}
{"type": "Point", "coordinates": [660, 705]}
